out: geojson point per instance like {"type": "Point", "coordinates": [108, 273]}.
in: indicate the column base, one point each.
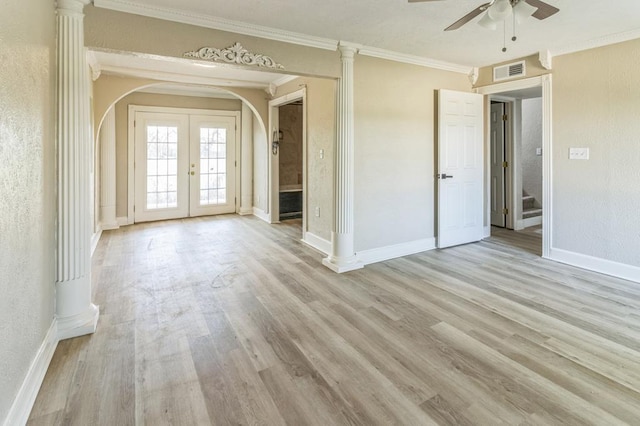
{"type": "Point", "coordinates": [78, 325]}
{"type": "Point", "coordinates": [342, 266]}
{"type": "Point", "coordinates": [245, 211]}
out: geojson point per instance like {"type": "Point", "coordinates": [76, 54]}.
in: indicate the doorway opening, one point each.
{"type": "Point", "coordinates": [288, 165]}
{"type": "Point", "coordinates": [516, 166]}
{"type": "Point", "coordinates": [185, 162]}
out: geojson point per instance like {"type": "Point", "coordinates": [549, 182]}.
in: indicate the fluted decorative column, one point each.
{"type": "Point", "coordinates": [75, 313]}
{"type": "Point", "coordinates": [246, 163]}
{"type": "Point", "coordinates": [108, 171]}
{"type": "Point", "coordinates": [343, 258]}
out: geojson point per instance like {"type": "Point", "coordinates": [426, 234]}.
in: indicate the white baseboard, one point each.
{"type": "Point", "coordinates": [110, 226]}
{"type": "Point", "coordinates": [487, 232]}
{"type": "Point", "coordinates": [95, 239]}
{"type": "Point", "coordinates": [26, 397]}
{"type": "Point", "coordinates": [596, 264]}
{"type": "Point", "coordinates": [78, 325]}
{"type": "Point", "coordinates": [123, 221]}
{"type": "Point", "coordinates": [317, 243]}
{"type": "Point", "coordinates": [245, 211]}
{"type": "Point", "coordinates": [530, 221]}
{"type": "Point", "coordinates": [398, 250]}
{"type": "Point", "coordinates": [260, 214]}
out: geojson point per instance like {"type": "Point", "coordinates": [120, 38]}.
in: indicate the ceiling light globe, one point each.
{"type": "Point", "coordinates": [500, 10]}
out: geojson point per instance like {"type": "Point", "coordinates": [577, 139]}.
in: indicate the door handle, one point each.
{"type": "Point", "coordinates": [192, 173]}
{"type": "Point", "coordinates": [445, 176]}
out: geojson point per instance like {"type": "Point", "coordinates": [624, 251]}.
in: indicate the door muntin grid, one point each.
{"type": "Point", "coordinates": [162, 167]}
{"type": "Point", "coordinates": [213, 166]}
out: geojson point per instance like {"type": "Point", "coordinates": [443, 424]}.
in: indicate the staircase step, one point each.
{"type": "Point", "coordinates": [527, 213]}
{"type": "Point", "coordinates": [528, 202]}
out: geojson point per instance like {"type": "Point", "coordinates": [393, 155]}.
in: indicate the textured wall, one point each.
{"type": "Point", "coordinates": [27, 187]}
{"type": "Point", "coordinates": [122, 123]}
{"type": "Point", "coordinates": [394, 149]}
{"type": "Point", "coordinates": [531, 164]}
{"type": "Point", "coordinates": [291, 145]}
{"type": "Point", "coordinates": [321, 135]}
{"type": "Point", "coordinates": [596, 104]}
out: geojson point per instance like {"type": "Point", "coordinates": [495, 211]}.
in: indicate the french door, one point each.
{"type": "Point", "coordinates": [184, 165]}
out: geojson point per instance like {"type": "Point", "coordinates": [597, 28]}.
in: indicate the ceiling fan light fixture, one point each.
{"type": "Point", "coordinates": [522, 10]}
{"type": "Point", "coordinates": [500, 10]}
{"type": "Point", "coordinates": [488, 23]}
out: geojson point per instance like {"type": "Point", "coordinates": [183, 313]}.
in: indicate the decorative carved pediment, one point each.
{"type": "Point", "coordinates": [235, 54]}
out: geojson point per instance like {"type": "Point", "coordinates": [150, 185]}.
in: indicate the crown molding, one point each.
{"type": "Point", "coordinates": [413, 59]}
{"type": "Point", "coordinates": [268, 33]}
{"type": "Point", "coordinates": [284, 80]}
{"type": "Point", "coordinates": [216, 23]}
{"type": "Point", "coordinates": [595, 43]}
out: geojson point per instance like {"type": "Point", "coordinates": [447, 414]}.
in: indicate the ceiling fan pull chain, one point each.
{"type": "Point", "coordinates": [504, 35]}
{"type": "Point", "coordinates": [514, 38]}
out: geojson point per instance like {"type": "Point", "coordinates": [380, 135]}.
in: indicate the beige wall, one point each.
{"type": "Point", "coordinates": [321, 135]}
{"type": "Point", "coordinates": [532, 64]}
{"type": "Point", "coordinates": [126, 32]}
{"type": "Point", "coordinates": [394, 150]}
{"type": "Point", "coordinates": [596, 104]}
{"type": "Point", "coordinates": [27, 187]}
{"type": "Point", "coordinates": [150, 99]}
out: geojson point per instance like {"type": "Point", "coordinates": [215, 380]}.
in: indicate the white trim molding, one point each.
{"type": "Point", "coordinates": [411, 59]}
{"type": "Point", "coordinates": [123, 221]}
{"type": "Point", "coordinates": [596, 264]}
{"type": "Point", "coordinates": [381, 254]}
{"type": "Point", "coordinates": [216, 23]}
{"type": "Point", "coordinates": [544, 81]}
{"type": "Point", "coordinates": [320, 244]}
{"type": "Point", "coordinates": [595, 43]}
{"type": "Point", "coordinates": [261, 214]}
{"type": "Point", "coordinates": [546, 60]}
{"type": "Point", "coordinates": [95, 239]}
{"type": "Point", "coordinates": [26, 397]}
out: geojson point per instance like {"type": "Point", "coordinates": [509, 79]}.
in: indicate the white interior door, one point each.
{"type": "Point", "coordinates": [212, 167]}
{"type": "Point", "coordinates": [460, 168]}
{"type": "Point", "coordinates": [161, 166]}
{"type": "Point", "coordinates": [498, 189]}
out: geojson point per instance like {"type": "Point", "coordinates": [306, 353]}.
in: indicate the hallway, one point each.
{"type": "Point", "coordinates": [229, 320]}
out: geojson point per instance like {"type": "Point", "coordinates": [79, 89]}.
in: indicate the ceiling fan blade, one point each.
{"type": "Point", "coordinates": [468, 17]}
{"type": "Point", "coordinates": [544, 9]}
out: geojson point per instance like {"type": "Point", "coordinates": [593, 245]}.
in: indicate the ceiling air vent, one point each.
{"type": "Point", "coordinates": [505, 72]}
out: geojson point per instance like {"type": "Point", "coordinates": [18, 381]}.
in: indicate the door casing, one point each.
{"type": "Point", "coordinates": [170, 110]}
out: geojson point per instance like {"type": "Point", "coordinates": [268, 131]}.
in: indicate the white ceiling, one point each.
{"type": "Point", "coordinates": [417, 28]}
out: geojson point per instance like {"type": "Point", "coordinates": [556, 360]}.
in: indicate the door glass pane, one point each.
{"type": "Point", "coordinates": [162, 166]}
{"type": "Point", "coordinates": [213, 175]}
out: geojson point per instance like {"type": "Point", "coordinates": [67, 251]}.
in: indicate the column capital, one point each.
{"type": "Point", "coordinates": [348, 50]}
{"type": "Point", "coordinates": [70, 7]}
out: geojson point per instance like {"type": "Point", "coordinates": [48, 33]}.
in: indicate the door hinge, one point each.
{"type": "Point", "coordinates": [505, 211]}
{"type": "Point", "coordinates": [235, 163]}
{"type": "Point", "coordinates": [505, 164]}
{"type": "Point", "coordinates": [505, 117]}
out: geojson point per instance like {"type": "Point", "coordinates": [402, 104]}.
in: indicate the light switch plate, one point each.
{"type": "Point", "coordinates": [578, 153]}
{"type": "Point", "coordinates": [538, 151]}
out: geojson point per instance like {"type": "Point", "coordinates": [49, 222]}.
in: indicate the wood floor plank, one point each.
{"type": "Point", "coordinates": [229, 320]}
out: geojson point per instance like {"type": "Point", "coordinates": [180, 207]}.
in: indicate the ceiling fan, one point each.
{"type": "Point", "coordinates": [499, 10]}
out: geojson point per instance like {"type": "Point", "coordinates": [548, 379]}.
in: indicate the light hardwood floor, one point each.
{"type": "Point", "coordinates": [228, 320]}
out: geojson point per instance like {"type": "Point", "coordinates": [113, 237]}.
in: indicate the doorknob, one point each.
{"type": "Point", "coordinates": [444, 176]}
{"type": "Point", "coordinates": [192, 173]}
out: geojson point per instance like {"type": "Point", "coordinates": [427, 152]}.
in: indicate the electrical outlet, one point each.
{"type": "Point", "coordinates": [317, 211]}
{"type": "Point", "coordinates": [321, 154]}
{"type": "Point", "coordinates": [578, 153]}
{"type": "Point", "coordinates": [538, 151]}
